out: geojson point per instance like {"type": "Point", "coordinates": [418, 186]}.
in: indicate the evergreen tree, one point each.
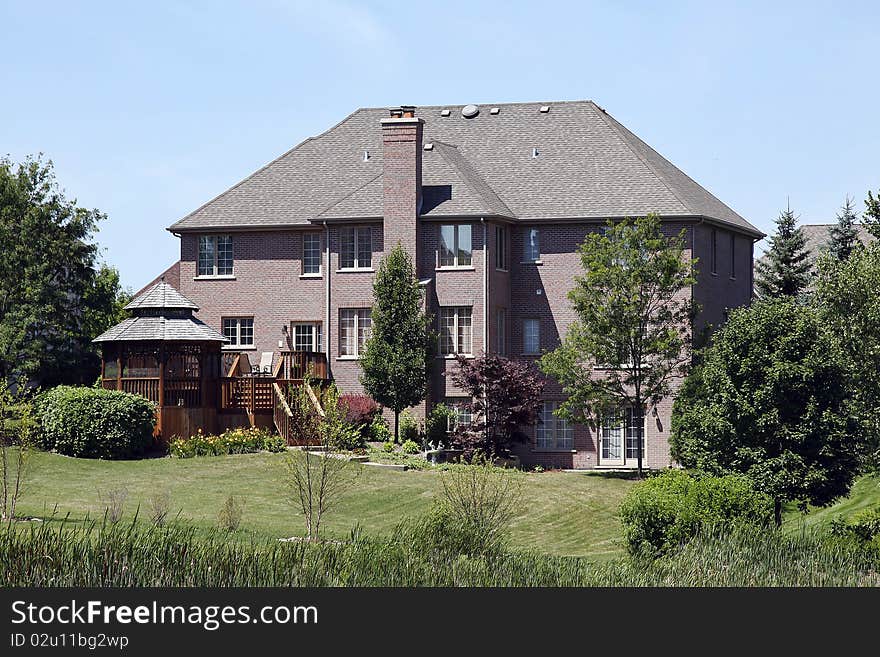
{"type": "Point", "coordinates": [844, 237]}
{"type": "Point", "coordinates": [394, 366]}
{"type": "Point", "coordinates": [871, 218]}
{"type": "Point", "coordinates": [785, 271]}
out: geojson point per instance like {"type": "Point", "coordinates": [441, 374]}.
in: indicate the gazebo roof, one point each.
{"type": "Point", "coordinates": [167, 329]}
{"type": "Point", "coordinates": [161, 295]}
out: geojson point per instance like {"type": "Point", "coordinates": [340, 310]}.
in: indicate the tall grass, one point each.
{"type": "Point", "coordinates": [57, 553]}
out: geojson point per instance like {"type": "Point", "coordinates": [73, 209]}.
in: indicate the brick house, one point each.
{"type": "Point", "coordinates": [492, 202]}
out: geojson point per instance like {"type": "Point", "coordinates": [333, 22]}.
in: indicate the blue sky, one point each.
{"type": "Point", "coordinates": [150, 109]}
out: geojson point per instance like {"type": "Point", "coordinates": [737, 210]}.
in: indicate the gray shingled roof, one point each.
{"type": "Point", "coordinates": [161, 295]}
{"type": "Point", "coordinates": [818, 237]}
{"type": "Point", "coordinates": [170, 329]}
{"type": "Point", "coordinates": [588, 166]}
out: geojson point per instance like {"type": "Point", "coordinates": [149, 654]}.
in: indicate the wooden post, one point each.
{"type": "Point", "coordinates": [161, 387]}
{"type": "Point", "coordinates": [119, 367]}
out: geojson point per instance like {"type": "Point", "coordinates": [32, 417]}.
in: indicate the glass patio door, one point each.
{"type": "Point", "coordinates": [611, 440]}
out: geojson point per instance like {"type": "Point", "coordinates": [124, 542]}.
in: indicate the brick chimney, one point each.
{"type": "Point", "coordinates": [402, 178]}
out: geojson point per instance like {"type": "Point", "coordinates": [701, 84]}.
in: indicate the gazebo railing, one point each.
{"type": "Point", "coordinates": [144, 386]}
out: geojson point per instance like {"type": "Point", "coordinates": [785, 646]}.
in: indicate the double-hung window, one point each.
{"type": "Point", "coordinates": [713, 260]}
{"type": "Point", "coordinates": [532, 246]}
{"type": "Point", "coordinates": [311, 259]}
{"type": "Point", "coordinates": [501, 247]}
{"type": "Point", "coordinates": [733, 255]}
{"type": "Point", "coordinates": [239, 331]}
{"type": "Point", "coordinates": [456, 246]}
{"type": "Point", "coordinates": [462, 416]}
{"type": "Point", "coordinates": [215, 255]}
{"type": "Point", "coordinates": [531, 336]}
{"type": "Point", "coordinates": [307, 337]}
{"type": "Point", "coordinates": [456, 330]}
{"type": "Point", "coordinates": [355, 248]}
{"type": "Point", "coordinates": [553, 432]}
{"type": "Point", "coordinates": [355, 325]}
{"type": "Point", "coordinates": [501, 331]}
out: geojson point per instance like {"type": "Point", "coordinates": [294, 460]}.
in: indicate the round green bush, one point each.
{"type": "Point", "coordinates": [95, 423]}
{"type": "Point", "coordinates": [410, 447]}
{"type": "Point", "coordinates": [666, 511]}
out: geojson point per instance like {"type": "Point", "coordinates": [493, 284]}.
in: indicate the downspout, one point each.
{"type": "Point", "coordinates": [327, 297]}
{"type": "Point", "coordinates": [485, 287]}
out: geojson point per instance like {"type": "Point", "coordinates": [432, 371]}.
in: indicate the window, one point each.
{"type": "Point", "coordinates": [239, 331]}
{"type": "Point", "coordinates": [311, 262]}
{"type": "Point", "coordinates": [501, 331]}
{"type": "Point", "coordinates": [307, 337]}
{"type": "Point", "coordinates": [532, 251]}
{"type": "Point", "coordinates": [455, 245]}
{"type": "Point", "coordinates": [463, 416]}
{"type": "Point", "coordinates": [732, 255]}
{"type": "Point", "coordinates": [356, 248]}
{"type": "Point", "coordinates": [215, 255]}
{"type": "Point", "coordinates": [620, 435]}
{"type": "Point", "coordinates": [501, 247]}
{"type": "Point", "coordinates": [531, 336]}
{"type": "Point", "coordinates": [354, 329]}
{"type": "Point", "coordinates": [553, 432]}
{"type": "Point", "coordinates": [714, 254]}
{"type": "Point", "coordinates": [456, 331]}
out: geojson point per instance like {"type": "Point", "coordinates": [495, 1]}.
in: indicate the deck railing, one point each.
{"type": "Point", "coordinates": [296, 364]}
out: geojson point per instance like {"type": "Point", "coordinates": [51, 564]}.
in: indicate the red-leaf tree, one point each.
{"type": "Point", "coordinates": [505, 395]}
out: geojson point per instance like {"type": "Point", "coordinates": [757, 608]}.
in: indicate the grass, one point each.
{"type": "Point", "coordinates": [865, 493]}
{"type": "Point", "coordinates": [564, 513]}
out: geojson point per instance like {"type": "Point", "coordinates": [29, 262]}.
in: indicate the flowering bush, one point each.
{"type": "Point", "coordinates": [231, 441]}
{"type": "Point", "coordinates": [359, 411]}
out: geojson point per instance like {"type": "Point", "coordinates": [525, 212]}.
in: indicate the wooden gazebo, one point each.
{"type": "Point", "coordinates": [168, 356]}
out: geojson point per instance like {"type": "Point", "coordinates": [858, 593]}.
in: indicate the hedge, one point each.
{"type": "Point", "coordinates": [95, 423]}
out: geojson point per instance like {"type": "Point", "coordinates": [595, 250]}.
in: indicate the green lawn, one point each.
{"type": "Point", "coordinates": [563, 513]}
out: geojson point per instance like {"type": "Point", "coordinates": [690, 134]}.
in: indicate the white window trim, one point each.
{"type": "Point", "coordinates": [312, 274]}
{"type": "Point", "coordinates": [216, 265]}
{"type": "Point", "coordinates": [455, 264]}
{"type": "Point", "coordinates": [355, 234]}
{"type": "Point", "coordinates": [456, 352]}
{"type": "Point", "coordinates": [357, 333]}
{"type": "Point", "coordinates": [524, 351]}
{"type": "Point", "coordinates": [237, 345]}
{"type": "Point", "coordinates": [316, 328]}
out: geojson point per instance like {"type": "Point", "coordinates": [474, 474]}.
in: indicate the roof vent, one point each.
{"type": "Point", "coordinates": [429, 146]}
{"type": "Point", "coordinates": [535, 152]}
{"type": "Point", "coordinates": [470, 111]}
{"type": "Point", "coordinates": [444, 112]}
{"type": "Point", "coordinates": [494, 110]}
{"type": "Point", "coordinates": [544, 109]}
{"type": "Point", "coordinates": [366, 156]}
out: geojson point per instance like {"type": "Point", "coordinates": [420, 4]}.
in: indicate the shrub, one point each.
{"type": "Point", "coordinates": [113, 501]}
{"type": "Point", "coordinates": [409, 428]}
{"type": "Point", "coordinates": [437, 424]}
{"type": "Point", "coordinates": [334, 429]}
{"type": "Point", "coordinates": [379, 431]}
{"type": "Point", "coordinates": [667, 510]}
{"type": "Point", "coordinates": [232, 441]}
{"type": "Point", "coordinates": [410, 447]}
{"type": "Point", "coordinates": [94, 423]}
{"type": "Point", "coordinates": [230, 514]}
{"type": "Point", "coordinates": [159, 503]}
{"type": "Point", "coordinates": [360, 411]}
{"type": "Point", "coordinates": [388, 446]}
{"type": "Point", "coordinates": [863, 526]}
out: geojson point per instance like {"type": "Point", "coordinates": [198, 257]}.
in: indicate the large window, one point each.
{"type": "Point", "coordinates": [355, 248]}
{"type": "Point", "coordinates": [239, 331]}
{"type": "Point", "coordinates": [307, 337]}
{"type": "Point", "coordinates": [620, 435]}
{"type": "Point", "coordinates": [531, 336]}
{"type": "Point", "coordinates": [455, 245]}
{"type": "Point", "coordinates": [532, 250]}
{"type": "Point", "coordinates": [456, 330]}
{"type": "Point", "coordinates": [355, 325]}
{"type": "Point", "coordinates": [501, 331]}
{"type": "Point", "coordinates": [553, 432]}
{"type": "Point", "coordinates": [463, 416]}
{"type": "Point", "coordinates": [501, 247]}
{"type": "Point", "coordinates": [215, 255]}
{"type": "Point", "coordinates": [311, 262]}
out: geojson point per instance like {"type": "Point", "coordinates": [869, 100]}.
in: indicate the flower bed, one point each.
{"type": "Point", "coordinates": [231, 441]}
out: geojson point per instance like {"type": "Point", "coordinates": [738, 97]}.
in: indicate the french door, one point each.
{"type": "Point", "coordinates": [619, 438]}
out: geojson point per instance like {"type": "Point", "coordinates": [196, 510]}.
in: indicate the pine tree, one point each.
{"type": "Point", "coordinates": [844, 237]}
{"type": "Point", "coordinates": [394, 366]}
{"type": "Point", "coordinates": [871, 218]}
{"type": "Point", "coordinates": [785, 270]}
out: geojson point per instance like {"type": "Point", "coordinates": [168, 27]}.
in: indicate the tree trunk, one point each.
{"type": "Point", "coordinates": [396, 426]}
{"type": "Point", "coordinates": [640, 432]}
{"type": "Point", "coordinates": [777, 512]}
